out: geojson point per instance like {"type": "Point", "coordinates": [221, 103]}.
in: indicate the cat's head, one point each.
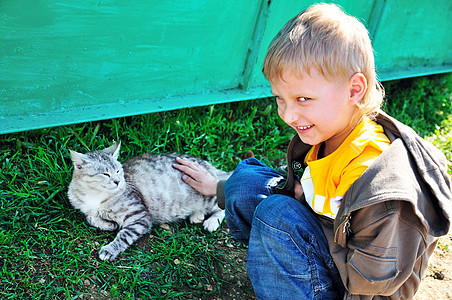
{"type": "Point", "coordinates": [100, 169]}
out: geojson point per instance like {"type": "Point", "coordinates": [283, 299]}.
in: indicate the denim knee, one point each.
{"type": "Point", "coordinates": [251, 182]}
{"type": "Point", "coordinates": [282, 211]}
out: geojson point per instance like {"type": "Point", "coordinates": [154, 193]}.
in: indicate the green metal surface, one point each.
{"type": "Point", "coordinates": [70, 61]}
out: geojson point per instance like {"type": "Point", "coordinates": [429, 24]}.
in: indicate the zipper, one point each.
{"type": "Point", "coordinates": [346, 229]}
{"type": "Point", "coordinates": [341, 238]}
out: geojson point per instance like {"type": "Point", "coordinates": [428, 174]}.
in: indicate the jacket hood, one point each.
{"type": "Point", "coordinates": [411, 169]}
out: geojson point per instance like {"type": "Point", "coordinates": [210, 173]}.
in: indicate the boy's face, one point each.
{"type": "Point", "coordinates": [318, 109]}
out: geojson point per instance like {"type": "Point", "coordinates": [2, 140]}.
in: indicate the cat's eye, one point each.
{"type": "Point", "coordinates": [106, 174]}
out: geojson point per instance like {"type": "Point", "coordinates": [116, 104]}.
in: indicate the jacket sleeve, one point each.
{"type": "Point", "coordinates": [385, 252]}
{"type": "Point", "coordinates": [221, 197]}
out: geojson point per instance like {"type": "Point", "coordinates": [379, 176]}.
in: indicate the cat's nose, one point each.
{"type": "Point", "coordinates": [116, 182]}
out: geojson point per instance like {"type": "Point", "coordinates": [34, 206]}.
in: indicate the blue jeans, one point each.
{"type": "Point", "coordinates": [288, 254]}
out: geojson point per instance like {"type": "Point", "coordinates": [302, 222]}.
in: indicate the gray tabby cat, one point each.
{"type": "Point", "coordinates": [133, 195]}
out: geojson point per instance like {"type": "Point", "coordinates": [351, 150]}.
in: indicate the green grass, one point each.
{"type": "Point", "coordinates": [48, 251]}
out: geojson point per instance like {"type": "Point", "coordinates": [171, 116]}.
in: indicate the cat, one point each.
{"type": "Point", "coordinates": [137, 193]}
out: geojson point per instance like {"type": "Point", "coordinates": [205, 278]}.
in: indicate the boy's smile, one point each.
{"type": "Point", "coordinates": [318, 109]}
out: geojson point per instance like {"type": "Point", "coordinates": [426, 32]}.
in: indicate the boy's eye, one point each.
{"type": "Point", "coordinates": [303, 99]}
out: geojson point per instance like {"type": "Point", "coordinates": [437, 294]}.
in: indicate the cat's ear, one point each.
{"type": "Point", "coordinates": [113, 150]}
{"type": "Point", "coordinates": [77, 159]}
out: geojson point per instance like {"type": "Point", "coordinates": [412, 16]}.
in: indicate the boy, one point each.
{"type": "Point", "coordinates": [372, 195]}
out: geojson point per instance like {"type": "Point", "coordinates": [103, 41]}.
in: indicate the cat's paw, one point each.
{"type": "Point", "coordinates": [107, 226]}
{"type": "Point", "coordinates": [108, 252]}
{"type": "Point", "coordinates": [196, 217]}
{"type": "Point", "coordinates": [211, 224]}
{"type": "Point", "coordinates": [101, 223]}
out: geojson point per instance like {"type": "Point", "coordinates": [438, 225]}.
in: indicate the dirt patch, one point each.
{"type": "Point", "coordinates": [437, 282]}
{"type": "Point", "coordinates": [237, 283]}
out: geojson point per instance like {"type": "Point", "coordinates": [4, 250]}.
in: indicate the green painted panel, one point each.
{"type": "Point", "coordinates": [65, 56]}
{"type": "Point", "coordinates": [414, 38]}
{"type": "Point", "coordinates": [70, 61]}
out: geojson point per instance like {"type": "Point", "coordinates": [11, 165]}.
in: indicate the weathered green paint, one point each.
{"type": "Point", "coordinates": [70, 61]}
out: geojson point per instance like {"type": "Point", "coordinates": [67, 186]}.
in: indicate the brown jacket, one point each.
{"type": "Point", "coordinates": [391, 217]}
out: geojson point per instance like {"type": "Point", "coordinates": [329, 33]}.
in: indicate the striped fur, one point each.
{"type": "Point", "coordinates": [135, 194]}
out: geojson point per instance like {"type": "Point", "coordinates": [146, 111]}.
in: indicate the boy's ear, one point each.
{"type": "Point", "coordinates": [358, 87]}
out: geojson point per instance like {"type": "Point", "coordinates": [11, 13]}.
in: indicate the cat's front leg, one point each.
{"type": "Point", "coordinates": [134, 227]}
{"type": "Point", "coordinates": [214, 221]}
{"type": "Point", "coordinates": [96, 220]}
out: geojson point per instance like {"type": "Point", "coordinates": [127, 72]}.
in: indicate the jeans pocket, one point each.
{"type": "Point", "coordinates": [370, 270]}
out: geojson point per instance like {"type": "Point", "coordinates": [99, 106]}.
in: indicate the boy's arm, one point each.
{"type": "Point", "coordinates": [201, 180]}
{"type": "Point", "coordinates": [221, 197]}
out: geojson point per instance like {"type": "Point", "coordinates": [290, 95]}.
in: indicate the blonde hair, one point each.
{"type": "Point", "coordinates": [336, 44]}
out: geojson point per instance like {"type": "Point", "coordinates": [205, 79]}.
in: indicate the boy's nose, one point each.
{"type": "Point", "coordinates": [290, 116]}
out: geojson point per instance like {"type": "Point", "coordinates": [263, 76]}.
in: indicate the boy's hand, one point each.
{"type": "Point", "coordinates": [197, 177]}
{"type": "Point", "coordinates": [298, 190]}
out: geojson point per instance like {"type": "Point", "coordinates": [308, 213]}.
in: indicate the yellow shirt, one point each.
{"type": "Point", "coordinates": [326, 180]}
